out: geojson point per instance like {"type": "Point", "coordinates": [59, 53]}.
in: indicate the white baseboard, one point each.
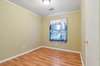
{"type": "Point", "coordinates": [20, 54]}
{"type": "Point", "coordinates": [66, 50]}
{"type": "Point", "coordinates": [82, 59]}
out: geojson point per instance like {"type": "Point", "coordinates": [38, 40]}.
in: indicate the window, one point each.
{"type": "Point", "coordinates": [58, 30]}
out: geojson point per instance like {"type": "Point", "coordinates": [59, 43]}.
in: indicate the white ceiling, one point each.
{"type": "Point", "coordinates": [39, 8]}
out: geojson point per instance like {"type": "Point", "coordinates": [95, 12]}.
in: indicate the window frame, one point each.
{"type": "Point", "coordinates": [66, 30]}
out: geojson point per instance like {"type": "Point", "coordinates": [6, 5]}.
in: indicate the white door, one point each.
{"type": "Point", "coordinates": [90, 11]}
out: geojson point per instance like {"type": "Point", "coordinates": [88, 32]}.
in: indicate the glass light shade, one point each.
{"type": "Point", "coordinates": [46, 2]}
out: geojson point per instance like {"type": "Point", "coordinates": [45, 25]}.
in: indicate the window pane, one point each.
{"type": "Point", "coordinates": [58, 30]}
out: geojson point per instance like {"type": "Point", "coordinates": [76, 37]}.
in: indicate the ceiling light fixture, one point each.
{"type": "Point", "coordinates": [46, 2]}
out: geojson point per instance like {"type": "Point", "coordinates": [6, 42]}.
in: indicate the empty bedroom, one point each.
{"type": "Point", "coordinates": [49, 33]}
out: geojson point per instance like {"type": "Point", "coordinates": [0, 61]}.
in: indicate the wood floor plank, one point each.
{"type": "Point", "coordinates": [46, 57]}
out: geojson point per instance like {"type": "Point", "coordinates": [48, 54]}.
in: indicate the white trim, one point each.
{"type": "Point", "coordinates": [82, 59]}
{"type": "Point", "coordinates": [64, 13]}
{"type": "Point", "coordinates": [12, 3]}
{"type": "Point", "coordinates": [20, 54]}
{"type": "Point", "coordinates": [66, 50]}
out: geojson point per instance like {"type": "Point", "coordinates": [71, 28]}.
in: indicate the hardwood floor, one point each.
{"type": "Point", "coordinates": [46, 57]}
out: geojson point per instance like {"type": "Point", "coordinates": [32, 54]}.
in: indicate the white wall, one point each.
{"type": "Point", "coordinates": [90, 32]}
{"type": "Point", "coordinates": [74, 31]}
{"type": "Point", "coordinates": [20, 30]}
